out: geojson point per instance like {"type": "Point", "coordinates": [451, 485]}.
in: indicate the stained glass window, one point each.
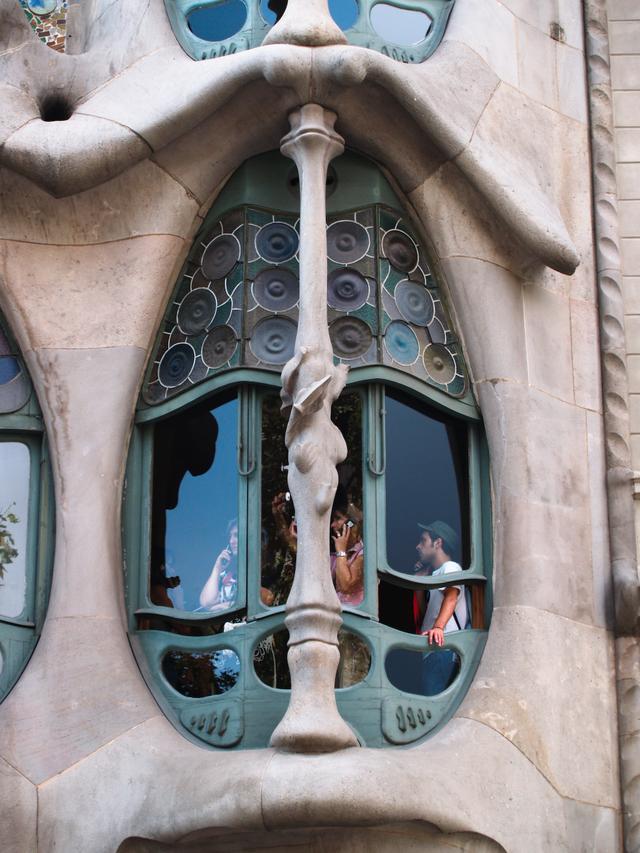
{"type": "Point", "coordinates": [213, 565]}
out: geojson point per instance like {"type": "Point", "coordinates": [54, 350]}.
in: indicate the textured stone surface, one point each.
{"type": "Point", "coordinates": [103, 295]}
{"type": "Point", "coordinates": [550, 705]}
{"type": "Point", "coordinates": [141, 790]}
{"type": "Point", "coordinates": [143, 200]}
{"type": "Point", "coordinates": [19, 808]}
{"type": "Point", "coordinates": [82, 690]}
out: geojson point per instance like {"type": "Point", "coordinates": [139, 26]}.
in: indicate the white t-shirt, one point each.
{"type": "Point", "coordinates": [436, 598]}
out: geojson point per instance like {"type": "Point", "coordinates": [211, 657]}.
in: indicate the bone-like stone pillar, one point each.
{"type": "Point", "coordinates": [306, 22]}
{"type": "Point", "coordinates": [310, 384]}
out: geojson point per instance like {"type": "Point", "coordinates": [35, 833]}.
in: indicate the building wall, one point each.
{"type": "Point", "coordinates": [488, 141]}
{"type": "Point", "coordinates": [624, 45]}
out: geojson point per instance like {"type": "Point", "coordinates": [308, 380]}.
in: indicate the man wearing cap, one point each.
{"type": "Point", "coordinates": [446, 607]}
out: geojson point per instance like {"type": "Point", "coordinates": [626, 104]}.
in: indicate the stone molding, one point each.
{"type": "Point", "coordinates": [621, 480]}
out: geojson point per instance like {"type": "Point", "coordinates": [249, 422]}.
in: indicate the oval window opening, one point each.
{"type": "Point", "coordinates": [355, 660]}
{"type": "Point", "coordinates": [270, 661]}
{"type": "Point", "coordinates": [400, 26]}
{"type": "Point", "coordinates": [219, 22]}
{"type": "Point", "coordinates": [201, 674]}
{"type": "Point", "coordinates": [422, 673]}
{"type": "Point", "coordinates": [344, 12]}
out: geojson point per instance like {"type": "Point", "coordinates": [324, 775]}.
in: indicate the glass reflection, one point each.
{"type": "Point", "coordinates": [279, 530]}
{"type": "Point", "coordinates": [400, 26]}
{"type": "Point", "coordinates": [200, 674]}
{"type": "Point", "coordinates": [272, 668]}
{"type": "Point", "coordinates": [425, 674]}
{"type": "Point", "coordinates": [194, 548]}
{"type": "Point", "coordinates": [270, 661]}
{"type": "Point", "coordinates": [426, 480]}
{"type": "Point", "coordinates": [355, 659]}
{"type": "Point", "coordinates": [219, 22]}
{"type": "Point", "coordinates": [14, 510]}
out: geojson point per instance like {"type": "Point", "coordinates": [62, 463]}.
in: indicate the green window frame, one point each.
{"type": "Point", "coordinates": [246, 714]}
{"type": "Point", "coordinates": [23, 425]}
{"type": "Point", "coordinates": [258, 21]}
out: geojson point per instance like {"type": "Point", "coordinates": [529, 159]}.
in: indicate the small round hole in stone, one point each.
{"type": "Point", "coordinates": [55, 108]}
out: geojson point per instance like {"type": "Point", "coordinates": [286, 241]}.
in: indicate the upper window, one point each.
{"type": "Point", "coordinates": [25, 516]}
{"type": "Point", "coordinates": [408, 32]}
{"type": "Point", "coordinates": [211, 528]}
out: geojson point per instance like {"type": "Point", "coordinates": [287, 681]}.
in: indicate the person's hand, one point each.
{"type": "Point", "coordinates": [278, 505]}
{"type": "Point", "coordinates": [435, 636]}
{"type": "Point", "coordinates": [340, 541]}
{"type": "Point", "coordinates": [293, 529]}
{"type": "Point", "coordinates": [224, 558]}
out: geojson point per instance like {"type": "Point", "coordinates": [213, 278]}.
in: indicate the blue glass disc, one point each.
{"type": "Point", "coordinates": [176, 365]}
{"type": "Point", "coordinates": [401, 343]}
{"type": "Point", "coordinates": [273, 340]}
{"type": "Point", "coordinates": [277, 242]}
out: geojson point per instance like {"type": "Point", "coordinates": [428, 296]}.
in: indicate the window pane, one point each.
{"type": "Point", "coordinates": [14, 522]}
{"type": "Point", "coordinates": [279, 533]}
{"type": "Point", "coordinates": [199, 674]}
{"type": "Point", "coordinates": [426, 482]}
{"type": "Point", "coordinates": [422, 673]}
{"type": "Point", "coordinates": [194, 553]}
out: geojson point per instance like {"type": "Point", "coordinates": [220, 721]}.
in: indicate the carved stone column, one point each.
{"type": "Point", "coordinates": [310, 384]}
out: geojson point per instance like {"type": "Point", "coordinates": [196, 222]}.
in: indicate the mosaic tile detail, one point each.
{"type": "Point", "coordinates": [49, 21]}
{"type": "Point", "coordinates": [238, 298]}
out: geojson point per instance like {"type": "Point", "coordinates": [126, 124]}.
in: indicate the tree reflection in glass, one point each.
{"type": "Point", "coordinates": [279, 532]}
{"type": "Point", "coordinates": [14, 497]}
{"type": "Point", "coordinates": [194, 547]}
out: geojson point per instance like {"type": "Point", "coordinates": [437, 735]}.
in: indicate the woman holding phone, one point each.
{"type": "Point", "coordinates": [219, 592]}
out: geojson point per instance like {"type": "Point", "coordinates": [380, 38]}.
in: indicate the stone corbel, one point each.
{"type": "Point", "coordinates": [310, 384]}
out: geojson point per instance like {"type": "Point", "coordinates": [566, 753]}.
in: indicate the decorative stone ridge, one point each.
{"type": "Point", "coordinates": [310, 384]}
{"type": "Point", "coordinates": [622, 482]}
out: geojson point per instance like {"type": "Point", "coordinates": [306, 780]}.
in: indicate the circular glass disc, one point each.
{"type": "Point", "coordinates": [277, 242]}
{"type": "Point", "coordinates": [414, 302]}
{"type": "Point", "coordinates": [350, 337]}
{"type": "Point", "coordinates": [273, 340]}
{"type": "Point", "coordinates": [347, 289]}
{"type": "Point", "coordinates": [439, 364]}
{"type": "Point", "coordinates": [401, 343]}
{"type": "Point", "coordinates": [347, 241]}
{"type": "Point", "coordinates": [176, 365]}
{"type": "Point", "coordinates": [197, 311]}
{"type": "Point", "coordinates": [400, 249]}
{"type": "Point", "coordinates": [219, 345]}
{"type": "Point", "coordinates": [220, 256]}
{"type": "Point", "coordinates": [276, 289]}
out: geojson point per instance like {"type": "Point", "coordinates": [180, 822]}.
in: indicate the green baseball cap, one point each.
{"type": "Point", "coordinates": [441, 530]}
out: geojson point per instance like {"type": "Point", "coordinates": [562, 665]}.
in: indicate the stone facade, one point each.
{"type": "Point", "coordinates": [490, 143]}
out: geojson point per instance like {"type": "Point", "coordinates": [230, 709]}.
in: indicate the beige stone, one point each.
{"type": "Point", "coordinates": [587, 381]}
{"type": "Point", "coordinates": [536, 65]}
{"type": "Point", "coordinates": [628, 144]}
{"type": "Point", "coordinates": [548, 705]}
{"type": "Point", "coordinates": [82, 688]}
{"type": "Point", "coordinates": [487, 27]}
{"type": "Point", "coordinates": [625, 72]}
{"type": "Point", "coordinates": [19, 811]}
{"type": "Point", "coordinates": [547, 323]}
{"type": "Point", "coordinates": [622, 10]}
{"type": "Point", "coordinates": [632, 334]}
{"type": "Point", "coordinates": [104, 295]}
{"type": "Point", "coordinates": [629, 213]}
{"type": "Point", "coordinates": [624, 36]}
{"type": "Point", "coordinates": [488, 305]}
{"type": "Point", "coordinates": [630, 255]}
{"type": "Point", "coordinates": [629, 180]}
{"type": "Point", "coordinates": [70, 156]}
{"type": "Point", "coordinates": [600, 546]}
{"type": "Point", "coordinates": [627, 109]}
{"type": "Point", "coordinates": [631, 287]}
{"type": "Point", "coordinates": [572, 100]}
{"type": "Point", "coordinates": [142, 791]}
{"type": "Point", "coordinates": [143, 200]}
